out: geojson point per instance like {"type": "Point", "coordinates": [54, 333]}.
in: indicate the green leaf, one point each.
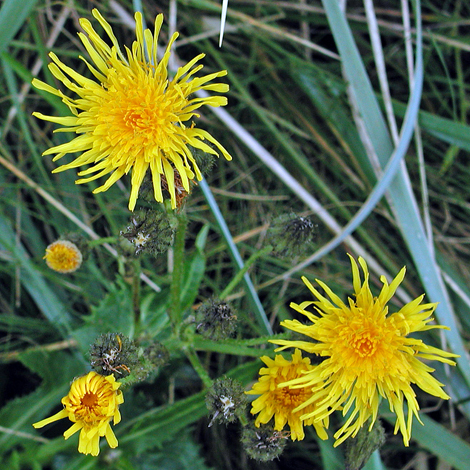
{"type": "Point", "coordinates": [449, 131]}
{"type": "Point", "coordinates": [450, 448]}
{"type": "Point", "coordinates": [32, 280]}
{"type": "Point", "coordinates": [161, 424]}
{"type": "Point", "coordinates": [193, 271]}
{"type": "Point", "coordinates": [230, 347]}
{"type": "Point", "coordinates": [12, 16]}
{"type": "Point", "coordinates": [179, 454]}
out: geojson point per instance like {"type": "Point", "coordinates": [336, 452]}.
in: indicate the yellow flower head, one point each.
{"type": "Point", "coordinates": [92, 402]}
{"type": "Point", "coordinates": [368, 354]}
{"type": "Point", "coordinates": [132, 116]}
{"type": "Point", "coordinates": [281, 402]}
{"type": "Point", "coordinates": [63, 256]}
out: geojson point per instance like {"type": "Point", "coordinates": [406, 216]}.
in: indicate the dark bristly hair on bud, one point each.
{"type": "Point", "coordinates": [150, 231]}
{"type": "Point", "coordinates": [360, 448]}
{"type": "Point", "coordinates": [216, 320]}
{"type": "Point", "coordinates": [263, 443]}
{"type": "Point", "coordinates": [115, 353]}
{"type": "Point", "coordinates": [205, 161]}
{"type": "Point", "coordinates": [226, 400]}
{"type": "Point", "coordinates": [291, 235]}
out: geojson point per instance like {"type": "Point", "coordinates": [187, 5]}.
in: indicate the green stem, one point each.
{"type": "Point", "coordinates": [136, 290]}
{"type": "Point", "coordinates": [102, 241]}
{"type": "Point", "coordinates": [239, 276]}
{"type": "Point", "coordinates": [178, 266]}
{"type": "Point", "coordinates": [243, 419]}
{"type": "Point", "coordinates": [198, 367]}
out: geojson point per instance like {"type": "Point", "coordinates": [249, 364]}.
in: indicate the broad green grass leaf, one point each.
{"type": "Point", "coordinates": [179, 454]}
{"type": "Point", "coordinates": [449, 131]}
{"type": "Point", "coordinates": [32, 280]}
{"type": "Point", "coordinates": [13, 14]}
{"type": "Point", "coordinates": [332, 458]}
{"type": "Point", "coordinates": [326, 93]}
{"type": "Point", "coordinates": [441, 442]}
{"type": "Point", "coordinates": [193, 271]}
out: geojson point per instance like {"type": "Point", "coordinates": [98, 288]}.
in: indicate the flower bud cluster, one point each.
{"type": "Point", "coordinates": [115, 353]}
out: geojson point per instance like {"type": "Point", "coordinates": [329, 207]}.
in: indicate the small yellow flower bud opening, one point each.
{"type": "Point", "coordinates": [92, 402]}
{"type": "Point", "coordinates": [63, 256]}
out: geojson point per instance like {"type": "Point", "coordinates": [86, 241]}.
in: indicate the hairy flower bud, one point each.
{"type": "Point", "coordinates": [360, 448]}
{"type": "Point", "coordinates": [216, 320]}
{"type": "Point", "coordinates": [263, 443]}
{"type": "Point", "coordinates": [157, 354]}
{"type": "Point", "coordinates": [150, 231]}
{"type": "Point", "coordinates": [113, 353]}
{"type": "Point", "coordinates": [226, 400]}
{"type": "Point", "coordinates": [291, 235]}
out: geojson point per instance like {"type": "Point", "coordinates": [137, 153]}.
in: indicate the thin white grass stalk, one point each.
{"type": "Point", "coordinates": [394, 27]}
{"type": "Point", "coordinates": [305, 30]}
{"type": "Point", "coordinates": [24, 435]}
{"type": "Point", "coordinates": [172, 20]}
{"type": "Point", "coordinates": [380, 66]}
{"type": "Point", "coordinates": [456, 288]}
{"type": "Point", "coordinates": [418, 140]}
{"type": "Point", "coordinates": [72, 217]}
{"type": "Point", "coordinates": [223, 19]}
{"type": "Point", "coordinates": [258, 25]}
{"type": "Point", "coordinates": [362, 130]}
{"type": "Point", "coordinates": [58, 26]}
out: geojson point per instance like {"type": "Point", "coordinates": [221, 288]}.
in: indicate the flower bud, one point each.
{"type": "Point", "coordinates": [63, 256]}
{"type": "Point", "coordinates": [291, 235]}
{"type": "Point", "coordinates": [157, 354]}
{"type": "Point", "coordinates": [205, 161]}
{"type": "Point", "coordinates": [263, 443]}
{"type": "Point", "coordinates": [113, 353]}
{"type": "Point", "coordinates": [150, 231]}
{"type": "Point", "coordinates": [226, 400]}
{"type": "Point", "coordinates": [216, 320]}
{"type": "Point", "coordinates": [360, 448]}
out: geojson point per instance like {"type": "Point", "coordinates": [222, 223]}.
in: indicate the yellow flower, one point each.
{"type": "Point", "coordinates": [368, 354]}
{"type": "Point", "coordinates": [281, 402]}
{"type": "Point", "coordinates": [93, 400]}
{"type": "Point", "coordinates": [63, 256]}
{"type": "Point", "coordinates": [132, 116]}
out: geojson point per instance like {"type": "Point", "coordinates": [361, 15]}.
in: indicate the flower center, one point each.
{"type": "Point", "coordinates": [138, 112]}
{"type": "Point", "coordinates": [364, 343]}
{"type": "Point", "coordinates": [291, 398]}
{"type": "Point", "coordinates": [89, 400]}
